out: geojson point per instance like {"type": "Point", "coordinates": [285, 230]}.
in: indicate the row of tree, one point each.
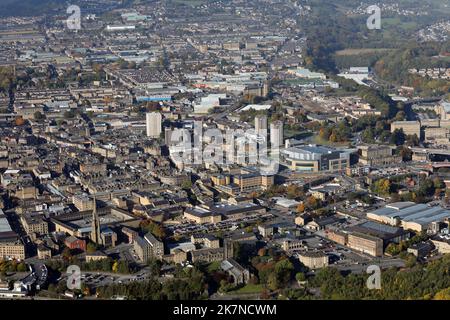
{"type": "Point", "coordinates": [188, 284]}
{"type": "Point", "coordinates": [429, 281]}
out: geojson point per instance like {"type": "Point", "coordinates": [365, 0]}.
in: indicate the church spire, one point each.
{"type": "Point", "coordinates": [95, 232]}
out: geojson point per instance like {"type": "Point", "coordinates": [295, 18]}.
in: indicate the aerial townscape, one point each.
{"type": "Point", "coordinates": [224, 150]}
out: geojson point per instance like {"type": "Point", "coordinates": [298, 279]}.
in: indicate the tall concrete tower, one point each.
{"type": "Point", "coordinates": [153, 121]}
{"type": "Point", "coordinates": [95, 232]}
{"type": "Point", "coordinates": [261, 125]}
{"type": "Point", "coordinates": [276, 134]}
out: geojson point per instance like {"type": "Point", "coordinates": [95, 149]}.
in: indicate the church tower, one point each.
{"type": "Point", "coordinates": [95, 232]}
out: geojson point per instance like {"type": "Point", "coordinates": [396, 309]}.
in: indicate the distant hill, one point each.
{"type": "Point", "coordinates": [29, 7]}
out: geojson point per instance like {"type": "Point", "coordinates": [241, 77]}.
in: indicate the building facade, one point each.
{"type": "Point", "coordinates": [314, 260]}
{"type": "Point", "coordinates": [276, 134]}
{"type": "Point", "coordinates": [153, 124]}
{"type": "Point", "coordinates": [375, 155]}
{"type": "Point", "coordinates": [366, 244]}
{"type": "Point", "coordinates": [261, 125]}
{"type": "Point", "coordinates": [311, 158]}
{"type": "Point", "coordinates": [148, 247]}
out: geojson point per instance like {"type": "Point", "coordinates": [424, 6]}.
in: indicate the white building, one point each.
{"type": "Point", "coordinates": [357, 74]}
{"type": "Point", "coordinates": [154, 124]}
{"type": "Point", "coordinates": [120, 27]}
{"type": "Point", "coordinates": [209, 102]}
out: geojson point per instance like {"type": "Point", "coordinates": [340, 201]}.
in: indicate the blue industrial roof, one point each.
{"type": "Point", "coordinates": [420, 213]}
{"type": "Point", "coordinates": [440, 216]}
{"type": "Point", "coordinates": [391, 212]}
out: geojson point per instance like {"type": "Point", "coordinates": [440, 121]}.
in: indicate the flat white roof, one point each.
{"type": "Point", "coordinates": [256, 107]}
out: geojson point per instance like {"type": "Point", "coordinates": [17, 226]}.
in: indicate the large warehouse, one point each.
{"type": "Point", "coordinates": [409, 215]}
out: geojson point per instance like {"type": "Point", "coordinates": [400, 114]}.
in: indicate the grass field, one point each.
{"type": "Point", "coordinates": [352, 52]}
{"type": "Point", "coordinates": [192, 3]}
{"type": "Point", "coordinates": [398, 23]}
{"type": "Point", "coordinates": [249, 288]}
{"type": "Point", "coordinates": [318, 140]}
{"type": "Point", "coordinates": [295, 134]}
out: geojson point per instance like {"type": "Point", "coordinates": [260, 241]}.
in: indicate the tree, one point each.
{"type": "Point", "coordinates": [262, 252]}
{"type": "Point", "coordinates": [368, 135]}
{"type": "Point", "coordinates": [333, 137]}
{"type": "Point", "coordinates": [38, 116]}
{"type": "Point", "coordinates": [69, 114]}
{"type": "Point", "coordinates": [107, 264]}
{"type": "Point", "coordinates": [19, 121]}
{"type": "Point", "coordinates": [66, 254]}
{"type": "Point", "coordinates": [115, 266]}
{"type": "Point", "coordinates": [412, 140]}
{"type": "Point", "coordinates": [438, 184]}
{"type": "Point", "coordinates": [300, 277]}
{"type": "Point", "coordinates": [91, 247]}
{"type": "Point", "coordinates": [155, 267]}
{"type": "Point", "coordinates": [325, 133]}
{"type": "Point", "coordinates": [156, 229]}
{"type": "Point", "coordinates": [301, 208]}
{"type": "Point", "coordinates": [283, 271]}
{"type": "Point", "coordinates": [293, 191]}
{"type": "Point", "coordinates": [443, 294]}
{"type": "Point", "coordinates": [225, 286]}
{"type": "Point", "coordinates": [21, 267]}
{"type": "Point", "coordinates": [427, 188]}
{"type": "Point", "coordinates": [313, 203]}
{"type": "Point", "coordinates": [272, 282]}
{"type": "Point", "coordinates": [397, 137]}
{"type": "Point", "coordinates": [393, 249]}
{"type": "Point", "coordinates": [400, 116]}
{"type": "Point", "coordinates": [405, 153]}
{"type": "Point", "coordinates": [382, 187]}
{"type": "Point", "coordinates": [123, 267]}
{"type": "Point", "coordinates": [186, 185]}
{"type": "Point", "coordinates": [265, 295]}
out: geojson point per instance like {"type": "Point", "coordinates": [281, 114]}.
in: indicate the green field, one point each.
{"type": "Point", "coordinates": [248, 289]}
{"type": "Point", "coordinates": [318, 140]}
{"type": "Point", "coordinates": [192, 3]}
{"type": "Point", "coordinates": [351, 52]}
{"type": "Point", "coordinates": [398, 23]}
{"type": "Point", "coordinates": [295, 134]}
